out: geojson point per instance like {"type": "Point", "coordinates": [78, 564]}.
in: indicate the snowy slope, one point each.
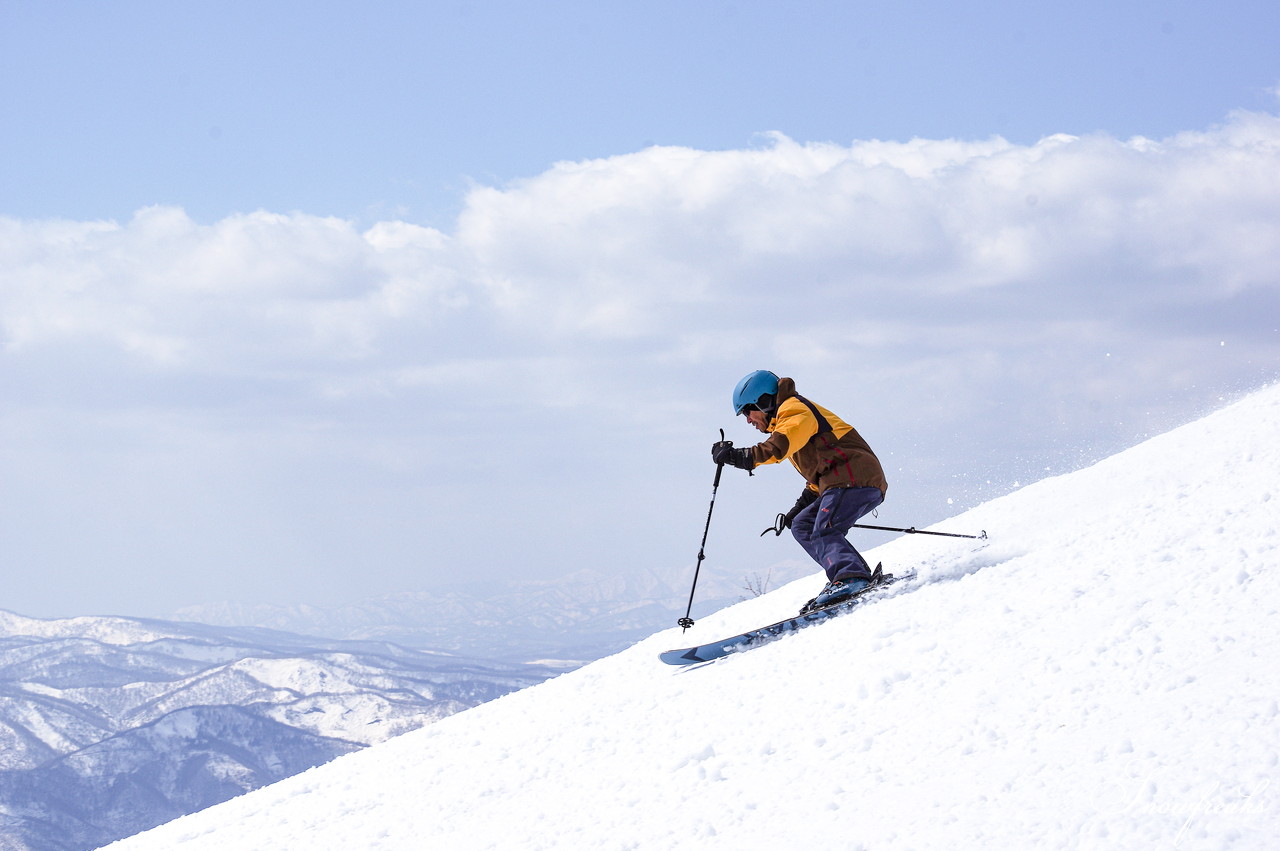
{"type": "Point", "coordinates": [1101, 674]}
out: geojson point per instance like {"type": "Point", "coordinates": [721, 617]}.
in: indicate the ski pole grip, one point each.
{"type": "Point", "coordinates": [719, 467]}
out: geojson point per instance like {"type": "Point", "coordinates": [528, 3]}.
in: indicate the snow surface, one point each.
{"type": "Point", "coordinates": [1094, 676]}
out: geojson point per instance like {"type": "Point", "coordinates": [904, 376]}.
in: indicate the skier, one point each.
{"type": "Point", "coordinates": [844, 477]}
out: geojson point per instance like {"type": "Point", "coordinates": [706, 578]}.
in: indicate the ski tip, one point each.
{"type": "Point", "coordinates": [684, 656]}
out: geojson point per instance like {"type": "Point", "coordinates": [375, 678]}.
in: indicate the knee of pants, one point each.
{"type": "Point", "coordinates": [829, 534]}
{"type": "Point", "coordinates": [803, 524]}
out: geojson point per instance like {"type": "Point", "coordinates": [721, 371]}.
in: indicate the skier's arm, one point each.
{"type": "Point", "coordinates": [792, 429]}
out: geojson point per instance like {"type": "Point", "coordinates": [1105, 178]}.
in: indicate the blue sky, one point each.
{"type": "Point", "coordinates": [303, 302]}
{"type": "Point", "coordinates": [397, 108]}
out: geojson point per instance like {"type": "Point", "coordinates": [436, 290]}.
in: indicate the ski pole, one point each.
{"type": "Point", "coordinates": [914, 531]}
{"type": "Point", "coordinates": [779, 527]}
{"type": "Point", "coordinates": [686, 621]}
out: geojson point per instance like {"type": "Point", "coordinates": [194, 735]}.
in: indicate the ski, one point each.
{"type": "Point", "coordinates": [755, 637]}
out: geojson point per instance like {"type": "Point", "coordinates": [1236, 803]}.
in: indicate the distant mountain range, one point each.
{"type": "Point", "coordinates": [112, 725]}
{"type": "Point", "coordinates": [109, 726]}
{"type": "Point", "coordinates": [573, 619]}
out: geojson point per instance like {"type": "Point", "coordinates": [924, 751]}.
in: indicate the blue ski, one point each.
{"type": "Point", "coordinates": [737, 643]}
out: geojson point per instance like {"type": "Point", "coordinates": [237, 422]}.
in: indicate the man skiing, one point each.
{"type": "Point", "coordinates": [844, 477]}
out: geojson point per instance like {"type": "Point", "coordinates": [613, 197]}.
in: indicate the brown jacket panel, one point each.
{"type": "Point", "coordinates": [825, 449]}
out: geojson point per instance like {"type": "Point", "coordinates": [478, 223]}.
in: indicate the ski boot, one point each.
{"type": "Point", "coordinates": [837, 591]}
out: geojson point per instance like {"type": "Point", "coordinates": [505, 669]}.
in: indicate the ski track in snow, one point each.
{"type": "Point", "coordinates": [1095, 675]}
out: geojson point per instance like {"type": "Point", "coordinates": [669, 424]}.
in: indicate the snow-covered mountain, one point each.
{"type": "Point", "coordinates": [580, 617]}
{"type": "Point", "coordinates": [1100, 674]}
{"type": "Point", "coordinates": [112, 725]}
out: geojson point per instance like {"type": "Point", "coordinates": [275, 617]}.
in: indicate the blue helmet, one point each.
{"type": "Point", "coordinates": [762, 382]}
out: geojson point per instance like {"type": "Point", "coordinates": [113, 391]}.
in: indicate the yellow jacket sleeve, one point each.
{"type": "Point", "coordinates": [792, 427]}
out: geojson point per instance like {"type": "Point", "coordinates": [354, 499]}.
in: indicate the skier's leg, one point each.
{"type": "Point", "coordinates": [802, 530]}
{"type": "Point", "coordinates": [837, 511]}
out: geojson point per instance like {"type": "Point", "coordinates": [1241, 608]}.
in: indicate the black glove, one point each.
{"type": "Point", "coordinates": [723, 452]}
{"type": "Point", "coordinates": [807, 498]}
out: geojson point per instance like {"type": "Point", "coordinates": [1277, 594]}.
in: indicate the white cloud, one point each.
{"type": "Point", "coordinates": [618, 248]}
{"type": "Point", "coordinates": [613, 247]}
{"type": "Point", "coordinates": [977, 306]}
{"type": "Point", "coordinates": [237, 295]}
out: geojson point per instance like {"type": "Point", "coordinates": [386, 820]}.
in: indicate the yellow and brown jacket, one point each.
{"type": "Point", "coordinates": [826, 450]}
